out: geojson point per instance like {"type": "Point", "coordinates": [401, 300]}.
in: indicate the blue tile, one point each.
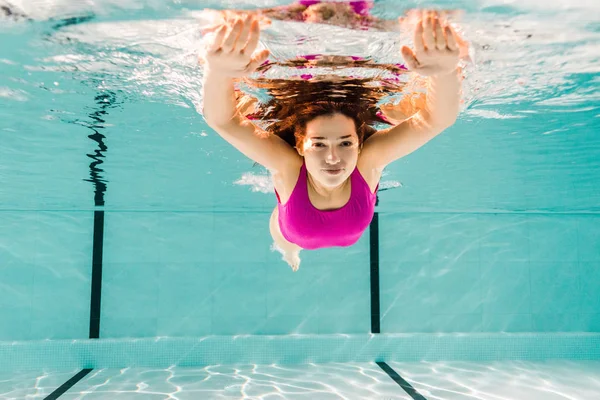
{"type": "Point", "coordinates": [404, 237]}
{"type": "Point", "coordinates": [455, 287]}
{"type": "Point", "coordinates": [160, 180]}
{"type": "Point", "coordinates": [132, 237]}
{"type": "Point", "coordinates": [507, 323]}
{"type": "Point", "coordinates": [450, 197]}
{"type": "Point", "coordinates": [398, 319]}
{"type": "Point", "coordinates": [454, 237]}
{"type": "Point", "coordinates": [159, 237]}
{"type": "Point", "coordinates": [226, 324]}
{"type": "Point", "coordinates": [185, 290]}
{"type": "Point", "coordinates": [18, 237]}
{"type": "Point", "coordinates": [16, 284]}
{"type": "Point", "coordinates": [590, 322]}
{"type": "Point", "coordinates": [505, 287]}
{"type": "Point", "coordinates": [61, 327]}
{"type": "Point", "coordinates": [413, 173]}
{"type": "Point", "coordinates": [231, 178]}
{"type": "Point", "coordinates": [185, 237]}
{"type": "Point", "coordinates": [344, 289]}
{"type": "Point", "coordinates": [291, 293]}
{"type": "Point", "coordinates": [191, 324]}
{"type": "Point", "coordinates": [16, 324]}
{"type": "Point", "coordinates": [239, 289]}
{"type": "Point", "coordinates": [555, 288]}
{"type": "Point", "coordinates": [589, 238]}
{"type": "Point", "coordinates": [346, 323]}
{"type": "Point", "coordinates": [553, 238]}
{"type": "Point", "coordinates": [40, 237]}
{"type": "Point", "coordinates": [405, 286]}
{"type": "Point", "coordinates": [130, 290]}
{"type": "Point", "coordinates": [64, 237]}
{"type": "Point", "coordinates": [290, 324]}
{"type": "Point", "coordinates": [118, 326]}
{"type": "Point", "coordinates": [61, 299]}
{"type": "Point", "coordinates": [555, 322]}
{"type": "Point", "coordinates": [457, 322]}
{"type": "Point", "coordinates": [242, 238]}
{"type": "Point", "coordinates": [590, 287]}
{"type": "Point", "coordinates": [504, 237]}
{"type": "Point", "coordinates": [508, 189]}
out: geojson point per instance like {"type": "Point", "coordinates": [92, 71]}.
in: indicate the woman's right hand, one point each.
{"type": "Point", "coordinates": [231, 52]}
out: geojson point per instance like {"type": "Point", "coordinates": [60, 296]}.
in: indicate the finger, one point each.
{"type": "Point", "coordinates": [253, 39]}
{"type": "Point", "coordinates": [257, 61]}
{"type": "Point", "coordinates": [419, 44]}
{"type": "Point", "coordinates": [451, 38]}
{"type": "Point", "coordinates": [443, 15]}
{"type": "Point", "coordinates": [440, 39]}
{"type": "Point", "coordinates": [209, 29]}
{"type": "Point", "coordinates": [402, 23]}
{"type": "Point", "coordinates": [216, 42]}
{"type": "Point", "coordinates": [428, 37]}
{"type": "Point", "coordinates": [229, 43]}
{"type": "Point", "coordinates": [410, 58]}
{"type": "Point", "coordinates": [431, 14]}
{"type": "Point", "coordinates": [243, 38]}
{"type": "Point", "coordinates": [459, 40]}
{"type": "Point", "coordinates": [414, 14]}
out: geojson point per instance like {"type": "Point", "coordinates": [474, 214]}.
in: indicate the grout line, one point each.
{"type": "Point", "coordinates": [68, 384]}
{"type": "Point", "coordinates": [411, 391]}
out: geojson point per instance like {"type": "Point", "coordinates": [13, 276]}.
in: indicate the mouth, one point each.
{"type": "Point", "coordinates": [334, 171]}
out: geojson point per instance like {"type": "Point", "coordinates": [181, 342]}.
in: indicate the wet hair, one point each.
{"type": "Point", "coordinates": [295, 102]}
{"type": "Point", "coordinates": [299, 123]}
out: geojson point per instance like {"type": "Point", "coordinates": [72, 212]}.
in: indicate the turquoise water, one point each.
{"type": "Point", "coordinates": [490, 234]}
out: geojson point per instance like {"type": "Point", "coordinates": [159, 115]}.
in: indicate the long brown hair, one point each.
{"type": "Point", "coordinates": [295, 102]}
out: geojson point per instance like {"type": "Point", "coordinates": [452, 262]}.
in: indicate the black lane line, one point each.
{"type": "Point", "coordinates": [96, 124]}
{"type": "Point", "coordinates": [68, 384]}
{"type": "Point", "coordinates": [96, 295]}
{"type": "Point", "coordinates": [374, 269]}
{"type": "Point", "coordinates": [411, 391]}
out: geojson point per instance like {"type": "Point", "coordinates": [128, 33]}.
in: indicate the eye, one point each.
{"type": "Point", "coordinates": [318, 144]}
{"type": "Point", "coordinates": [347, 144]}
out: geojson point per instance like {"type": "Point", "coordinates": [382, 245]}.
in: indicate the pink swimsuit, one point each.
{"type": "Point", "coordinates": [310, 228]}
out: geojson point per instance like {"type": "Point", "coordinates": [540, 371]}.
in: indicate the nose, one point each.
{"type": "Point", "coordinates": [332, 156]}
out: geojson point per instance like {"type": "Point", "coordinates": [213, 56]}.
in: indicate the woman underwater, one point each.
{"type": "Point", "coordinates": [324, 157]}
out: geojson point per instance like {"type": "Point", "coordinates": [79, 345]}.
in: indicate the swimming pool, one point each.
{"type": "Point", "coordinates": [135, 254]}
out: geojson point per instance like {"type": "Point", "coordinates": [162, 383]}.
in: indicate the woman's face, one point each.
{"type": "Point", "coordinates": [330, 149]}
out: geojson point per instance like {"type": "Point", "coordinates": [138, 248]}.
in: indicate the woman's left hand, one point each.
{"type": "Point", "coordinates": [437, 47]}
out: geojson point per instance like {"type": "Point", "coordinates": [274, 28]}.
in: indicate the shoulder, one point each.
{"type": "Point", "coordinates": [369, 172]}
{"type": "Point", "coordinates": [285, 180]}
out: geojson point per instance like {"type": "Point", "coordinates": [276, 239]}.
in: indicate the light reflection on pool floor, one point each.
{"type": "Point", "coordinates": [434, 380]}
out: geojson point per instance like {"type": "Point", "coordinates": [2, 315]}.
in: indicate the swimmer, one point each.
{"type": "Point", "coordinates": [324, 156]}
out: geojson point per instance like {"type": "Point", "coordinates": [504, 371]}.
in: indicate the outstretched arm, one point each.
{"type": "Point", "coordinates": [436, 55]}
{"type": "Point", "coordinates": [442, 102]}
{"type": "Point", "coordinates": [231, 54]}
